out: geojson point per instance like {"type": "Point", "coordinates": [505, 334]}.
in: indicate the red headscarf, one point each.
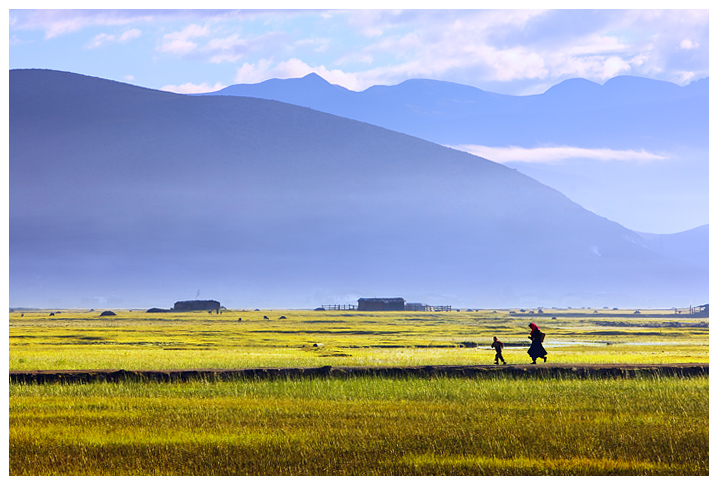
{"type": "Point", "coordinates": [533, 326]}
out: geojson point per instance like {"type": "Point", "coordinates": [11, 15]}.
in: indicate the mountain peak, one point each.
{"type": "Point", "coordinates": [573, 86]}
{"type": "Point", "coordinates": [314, 77]}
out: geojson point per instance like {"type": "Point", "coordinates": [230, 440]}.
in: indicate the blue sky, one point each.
{"type": "Point", "coordinates": [514, 51]}
{"type": "Point", "coordinates": [517, 51]}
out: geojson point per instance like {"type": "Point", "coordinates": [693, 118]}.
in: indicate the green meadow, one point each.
{"type": "Point", "coordinates": [360, 425]}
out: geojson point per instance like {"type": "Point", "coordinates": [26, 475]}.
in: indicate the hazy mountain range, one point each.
{"type": "Point", "coordinates": [643, 116]}
{"type": "Point", "coordinates": [577, 112]}
{"type": "Point", "coordinates": [122, 196]}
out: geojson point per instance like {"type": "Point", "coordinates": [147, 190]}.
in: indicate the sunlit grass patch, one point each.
{"type": "Point", "coordinates": [524, 466]}
{"type": "Point", "coordinates": [363, 426]}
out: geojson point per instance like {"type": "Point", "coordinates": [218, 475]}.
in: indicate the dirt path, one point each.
{"type": "Point", "coordinates": [529, 371]}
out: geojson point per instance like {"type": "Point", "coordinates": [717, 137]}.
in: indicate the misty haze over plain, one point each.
{"type": "Point", "coordinates": [122, 196]}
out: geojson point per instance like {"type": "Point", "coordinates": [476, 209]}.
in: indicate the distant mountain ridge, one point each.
{"type": "Point", "coordinates": [643, 158]}
{"type": "Point", "coordinates": [135, 197]}
{"type": "Point", "coordinates": [452, 114]}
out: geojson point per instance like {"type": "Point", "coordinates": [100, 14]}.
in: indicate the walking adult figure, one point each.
{"type": "Point", "coordinates": [536, 350]}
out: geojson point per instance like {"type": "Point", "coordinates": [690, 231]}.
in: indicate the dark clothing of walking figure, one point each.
{"type": "Point", "coordinates": [536, 350]}
{"type": "Point", "coordinates": [498, 346]}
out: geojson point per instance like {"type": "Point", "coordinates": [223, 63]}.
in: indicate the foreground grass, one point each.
{"type": "Point", "coordinates": [362, 426]}
{"type": "Point", "coordinates": [138, 340]}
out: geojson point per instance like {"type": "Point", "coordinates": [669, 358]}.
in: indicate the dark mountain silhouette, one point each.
{"type": "Point", "coordinates": [631, 112]}
{"type": "Point", "coordinates": [136, 197]}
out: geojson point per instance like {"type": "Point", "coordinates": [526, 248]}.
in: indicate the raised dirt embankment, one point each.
{"type": "Point", "coordinates": [528, 371]}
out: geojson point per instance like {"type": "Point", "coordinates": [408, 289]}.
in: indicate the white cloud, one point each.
{"type": "Point", "coordinates": [435, 43]}
{"type": "Point", "coordinates": [597, 43]}
{"type": "Point", "coordinates": [233, 48]}
{"type": "Point", "coordinates": [688, 44]}
{"type": "Point", "coordinates": [292, 68]}
{"type": "Point", "coordinates": [684, 77]}
{"type": "Point", "coordinates": [228, 49]}
{"type": "Point", "coordinates": [552, 155]}
{"type": "Point", "coordinates": [179, 42]}
{"type": "Point", "coordinates": [613, 66]}
{"type": "Point", "coordinates": [189, 88]}
{"type": "Point", "coordinates": [251, 73]}
{"type": "Point", "coordinates": [66, 21]}
{"type": "Point", "coordinates": [99, 40]}
{"type": "Point", "coordinates": [102, 39]}
{"type": "Point", "coordinates": [130, 35]}
{"type": "Point", "coordinates": [516, 63]}
{"type": "Point", "coordinates": [372, 23]}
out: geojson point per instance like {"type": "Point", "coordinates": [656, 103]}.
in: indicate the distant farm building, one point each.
{"type": "Point", "coordinates": [386, 305]}
{"type": "Point", "coordinates": [700, 310]}
{"type": "Point", "coordinates": [196, 305]}
{"type": "Point", "coordinates": [381, 304]}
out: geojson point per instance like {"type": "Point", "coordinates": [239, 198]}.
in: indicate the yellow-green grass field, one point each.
{"type": "Point", "coordinates": [135, 340]}
{"type": "Point", "coordinates": [360, 425]}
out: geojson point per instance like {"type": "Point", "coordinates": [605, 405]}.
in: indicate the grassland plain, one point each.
{"type": "Point", "coordinates": [138, 340]}
{"type": "Point", "coordinates": [357, 426]}
{"type": "Point", "coordinates": [362, 426]}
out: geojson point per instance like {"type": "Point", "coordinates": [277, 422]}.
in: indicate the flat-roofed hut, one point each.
{"type": "Point", "coordinates": [196, 305]}
{"type": "Point", "coordinates": [381, 304]}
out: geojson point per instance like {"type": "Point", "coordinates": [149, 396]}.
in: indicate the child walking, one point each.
{"type": "Point", "coordinates": [498, 346]}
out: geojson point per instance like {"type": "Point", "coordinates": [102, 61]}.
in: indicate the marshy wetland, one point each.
{"type": "Point", "coordinates": [364, 425]}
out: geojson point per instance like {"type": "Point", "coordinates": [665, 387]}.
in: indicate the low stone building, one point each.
{"type": "Point", "coordinates": [381, 304]}
{"type": "Point", "coordinates": [196, 305]}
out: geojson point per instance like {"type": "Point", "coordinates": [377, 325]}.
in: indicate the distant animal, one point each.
{"type": "Point", "coordinates": [266, 317]}
{"type": "Point", "coordinates": [240, 319]}
{"type": "Point", "coordinates": [52, 314]}
{"type": "Point", "coordinates": [282, 317]}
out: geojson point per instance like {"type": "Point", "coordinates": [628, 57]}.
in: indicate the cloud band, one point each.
{"type": "Point", "coordinates": [551, 155]}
